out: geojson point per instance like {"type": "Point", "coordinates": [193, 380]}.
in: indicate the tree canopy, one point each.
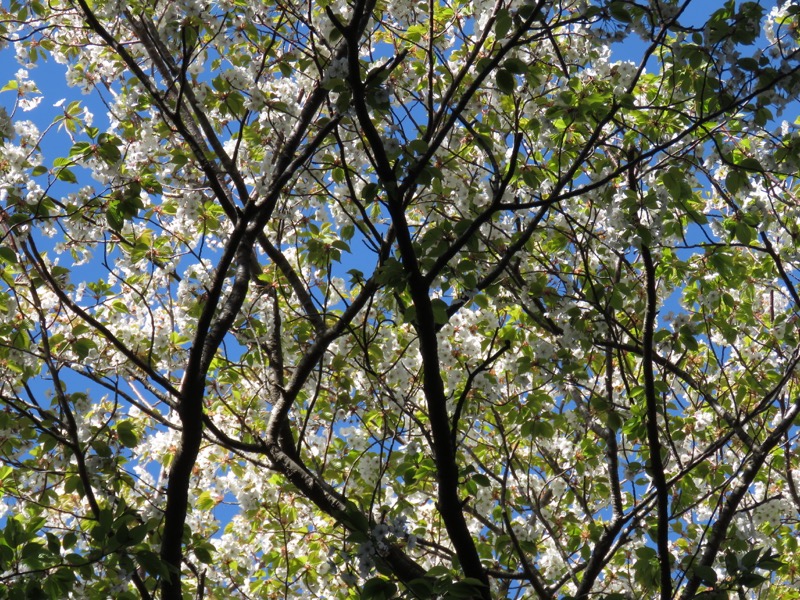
{"type": "Point", "coordinates": [388, 299]}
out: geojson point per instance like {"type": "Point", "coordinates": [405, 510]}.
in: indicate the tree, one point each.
{"type": "Point", "coordinates": [382, 299]}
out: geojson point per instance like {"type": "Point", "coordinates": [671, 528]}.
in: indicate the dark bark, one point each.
{"type": "Point", "coordinates": [653, 439]}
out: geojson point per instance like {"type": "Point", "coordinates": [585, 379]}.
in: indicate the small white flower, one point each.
{"type": "Point", "coordinates": [391, 146]}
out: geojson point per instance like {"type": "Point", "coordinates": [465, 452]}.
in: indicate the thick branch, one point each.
{"type": "Point", "coordinates": [656, 460]}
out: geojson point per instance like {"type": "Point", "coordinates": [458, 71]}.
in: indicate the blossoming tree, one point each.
{"type": "Point", "coordinates": [389, 299]}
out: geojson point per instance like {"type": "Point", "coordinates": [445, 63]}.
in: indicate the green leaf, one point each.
{"type": "Point", "coordinates": [750, 164]}
{"type": "Point", "coordinates": [137, 534]}
{"type": "Point", "coordinates": [515, 65]}
{"type": "Point", "coordinates": [344, 100]}
{"type": "Point", "coordinates": [421, 588]}
{"type": "Point", "coordinates": [152, 563]}
{"type": "Point", "coordinates": [619, 11]}
{"type": "Point", "coordinates": [109, 148]}
{"type": "Point", "coordinates": [506, 82]}
{"type": "Point", "coordinates": [770, 561]}
{"type": "Point", "coordinates": [675, 181]}
{"type": "Point", "coordinates": [127, 434]}
{"type": "Point", "coordinates": [53, 544]}
{"type": "Point", "coordinates": [706, 574]}
{"type": "Point", "coordinates": [530, 177]}
{"type": "Point", "coordinates": [439, 311]}
{"type": "Point", "coordinates": [416, 32]}
{"type": "Point", "coordinates": [750, 559]}
{"type": "Point", "coordinates": [418, 146]}
{"type": "Point", "coordinates": [503, 23]}
{"type": "Point", "coordinates": [686, 336]}
{"type": "Point", "coordinates": [79, 149]}
{"type": "Point", "coordinates": [369, 192]}
{"type": "Point", "coordinates": [205, 501]}
{"type": "Point", "coordinates": [69, 540]}
{"type": "Point", "coordinates": [60, 583]}
{"type": "Point", "coordinates": [466, 588]}
{"type": "Point", "coordinates": [481, 479]}
{"type": "Point", "coordinates": [744, 233]}
{"type": "Point", "coordinates": [438, 571]}
{"type": "Point", "coordinates": [736, 180]}
{"type": "Point", "coordinates": [83, 346]}
{"type": "Point", "coordinates": [203, 555]}
{"type": "Point", "coordinates": [751, 580]}
{"type": "Point", "coordinates": [762, 116]}
{"type": "Point", "coordinates": [65, 174]}
{"type": "Point", "coordinates": [8, 255]}
{"type": "Point", "coordinates": [285, 68]}
{"type": "Point", "coordinates": [378, 588]}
